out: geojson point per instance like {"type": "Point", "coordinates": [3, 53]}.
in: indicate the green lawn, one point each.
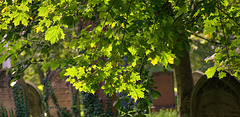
{"type": "Point", "coordinates": [164, 113]}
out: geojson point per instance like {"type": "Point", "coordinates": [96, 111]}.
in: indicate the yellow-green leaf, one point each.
{"type": "Point", "coordinates": [154, 61]}
{"type": "Point", "coordinates": [211, 71]}
{"type": "Point", "coordinates": [54, 34]}
{"type": "Point", "coordinates": [43, 11]}
{"type": "Point", "coordinates": [222, 75]}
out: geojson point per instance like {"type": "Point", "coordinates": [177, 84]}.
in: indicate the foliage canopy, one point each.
{"type": "Point", "coordinates": [114, 33]}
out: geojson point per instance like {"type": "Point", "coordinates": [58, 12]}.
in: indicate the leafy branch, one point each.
{"type": "Point", "coordinates": [224, 36]}
{"type": "Point", "coordinates": [125, 24]}
{"type": "Point", "coordinates": [108, 61]}
{"type": "Point", "coordinates": [219, 9]}
{"type": "Point", "coordinates": [107, 15]}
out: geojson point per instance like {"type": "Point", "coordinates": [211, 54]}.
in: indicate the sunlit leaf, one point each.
{"type": "Point", "coordinates": [54, 34]}
{"type": "Point", "coordinates": [43, 11]}
{"type": "Point", "coordinates": [154, 61]}
{"type": "Point", "coordinates": [222, 75]}
{"type": "Point", "coordinates": [211, 71]}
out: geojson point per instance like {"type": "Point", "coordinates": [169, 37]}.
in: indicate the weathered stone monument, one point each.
{"type": "Point", "coordinates": [216, 97]}
{"type": "Point", "coordinates": [164, 83]}
{"type": "Point", "coordinates": [102, 96]}
{"type": "Point", "coordinates": [63, 91]}
{"type": "Point", "coordinates": [196, 76]}
{"type": "Point", "coordinates": [34, 99]}
{"type": "Point", "coordinates": [6, 91]}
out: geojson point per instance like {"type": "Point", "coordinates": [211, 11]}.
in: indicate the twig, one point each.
{"type": "Point", "coordinates": [125, 25]}
{"type": "Point", "coordinates": [204, 38]}
{"type": "Point", "coordinates": [224, 36]}
{"type": "Point", "coordinates": [106, 63]}
{"type": "Point", "coordinates": [107, 15]}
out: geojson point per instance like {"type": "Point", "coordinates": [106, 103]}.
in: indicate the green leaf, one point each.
{"type": "Point", "coordinates": [167, 58]}
{"type": "Point", "coordinates": [54, 65]}
{"type": "Point", "coordinates": [16, 20]}
{"type": "Point", "coordinates": [18, 45]}
{"type": "Point", "coordinates": [54, 34]}
{"type": "Point", "coordinates": [209, 27]}
{"type": "Point", "coordinates": [134, 77]}
{"type": "Point", "coordinates": [132, 50]}
{"type": "Point", "coordinates": [183, 9]}
{"type": "Point", "coordinates": [21, 16]}
{"type": "Point", "coordinates": [63, 64]}
{"type": "Point", "coordinates": [62, 73]}
{"type": "Point", "coordinates": [211, 71]}
{"type": "Point", "coordinates": [46, 66]}
{"type": "Point", "coordinates": [23, 7]}
{"type": "Point", "coordinates": [43, 11]}
{"type": "Point", "coordinates": [136, 92]}
{"type": "Point", "coordinates": [222, 75]}
{"type": "Point", "coordinates": [154, 61]}
{"type": "Point", "coordinates": [155, 94]}
{"type": "Point", "coordinates": [2, 49]}
{"type": "Point", "coordinates": [3, 58]}
{"type": "Point", "coordinates": [225, 3]}
{"type": "Point", "coordinates": [71, 72]}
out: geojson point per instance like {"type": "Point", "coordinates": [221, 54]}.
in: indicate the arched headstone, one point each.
{"type": "Point", "coordinates": [164, 83]}
{"type": "Point", "coordinates": [6, 91]}
{"type": "Point", "coordinates": [216, 97]}
{"type": "Point", "coordinates": [63, 91]}
{"type": "Point", "coordinates": [196, 76]}
{"type": "Point", "coordinates": [34, 99]}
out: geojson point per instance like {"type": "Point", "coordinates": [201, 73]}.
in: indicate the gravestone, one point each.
{"type": "Point", "coordinates": [196, 76]}
{"type": "Point", "coordinates": [216, 97]}
{"type": "Point", "coordinates": [164, 83]}
{"type": "Point", "coordinates": [103, 97]}
{"type": "Point", "coordinates": [6, 91]}
{"type": "Point", "coordinates": [34, 99]}
{"type": "Point", "coordinates": [63, 91]}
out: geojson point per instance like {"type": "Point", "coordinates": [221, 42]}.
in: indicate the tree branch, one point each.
{"type": "Point", "coordinates": [204, 38]}
{"type": "Point", "coordinates": [224, 35]}
{"type": "Point", "coordinates": [107, 15]}
{"type": "Point", "coordinates": [125, 25]}
{"type": "Point", "coordinates": [105, 63]}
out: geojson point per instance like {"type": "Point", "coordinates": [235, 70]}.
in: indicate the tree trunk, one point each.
{"type": "Point", "coordinates": [40, 74]}
{"type": "Point", "coordinates": [183, 74]}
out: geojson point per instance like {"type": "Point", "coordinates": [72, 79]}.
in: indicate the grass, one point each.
{"type": "Point", "coordinates": [164, 113]}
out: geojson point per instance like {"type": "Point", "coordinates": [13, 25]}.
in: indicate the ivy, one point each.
{"type": "Point", "coordinates": [5, 113]}
{"type": "Point", "coordinates": [92, 105]}
{"type": "Point", "coordinates": [20, 102]}
{"type": "Point", "coordinates": [62, 112]}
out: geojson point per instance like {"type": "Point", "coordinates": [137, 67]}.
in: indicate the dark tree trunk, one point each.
{"type": "Point", "coordinates": [40, 74]}
{"type": "Point", "coordinates": [183, 74]}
